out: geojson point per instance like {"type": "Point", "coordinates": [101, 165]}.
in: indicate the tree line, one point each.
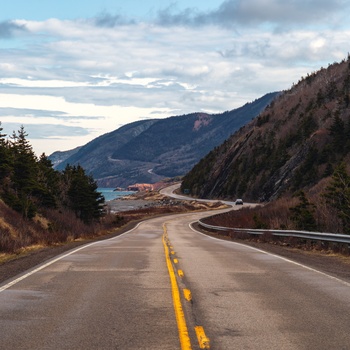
{"type": "Point", "coordinates": [29, 184]}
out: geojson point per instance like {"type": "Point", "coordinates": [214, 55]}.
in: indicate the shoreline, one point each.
{"type": "Point", "coordinates": [123, 204]}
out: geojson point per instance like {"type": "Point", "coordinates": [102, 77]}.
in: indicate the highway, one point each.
{"type": "Point", "coordinates": [117, 294]}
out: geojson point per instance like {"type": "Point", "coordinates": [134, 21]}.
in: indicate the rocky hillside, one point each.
{"type": "Point", "coordinates": [150, 150]}
{"type": "Point", "coordinates": [293, 144]}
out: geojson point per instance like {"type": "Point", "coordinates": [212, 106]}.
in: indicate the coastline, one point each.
{"type": "Point", "coordinates": [125, 204]}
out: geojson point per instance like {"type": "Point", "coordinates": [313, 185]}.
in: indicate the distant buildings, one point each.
{"type": "Point", "coordinates": [140, 187]}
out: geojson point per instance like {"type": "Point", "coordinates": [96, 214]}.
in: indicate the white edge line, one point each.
{"type": "Point", "coordinates": [274, 255]}
{"type": "Point", "coordinates": [41, 267]}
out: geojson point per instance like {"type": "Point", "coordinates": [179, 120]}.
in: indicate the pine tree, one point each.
{"type": "Point", "coordinates": [24, 175]}
{"type": "Point", "coordinates": [25, 163]}
{"type": "Point", "coordinates": [28, 184]}
{"type": "Point", "coordinates": [338, 195]}
{"type": "Point", "coordinates": [5, 157]}
{"type": "Point", "coordinates": [82, 196]}
{"type": "Point", "coordinates": [48, 189]}
{"type": "Point", "coordinates": [338, 132]}
{"type": "Point", "coordinates": [302, 214]}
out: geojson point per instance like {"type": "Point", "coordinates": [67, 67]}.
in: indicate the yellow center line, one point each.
{"type": "Point", "coordinates": [203, 340]}
{"type": "Point", "coordinates": [187, 294]}
{"type": "Point", "coordinates": [180, 317]}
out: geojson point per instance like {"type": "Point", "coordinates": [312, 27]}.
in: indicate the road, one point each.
{"type": "Point", "coordinates": [169, 191]}
{"type": "Point", "coordinates": [116, 294]}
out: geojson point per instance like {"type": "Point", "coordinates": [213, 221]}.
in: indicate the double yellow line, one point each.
{"type": "Point", "coordinates": [185, 341]}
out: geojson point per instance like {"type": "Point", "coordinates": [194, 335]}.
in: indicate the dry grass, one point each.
{"type": "Point", "coordinates": [276, 215]}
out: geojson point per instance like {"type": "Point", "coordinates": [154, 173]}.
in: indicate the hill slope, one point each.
{"type": "Point", "coordinates": [149, 150]}
{"type": "Point", "coordinates": [295, 143]}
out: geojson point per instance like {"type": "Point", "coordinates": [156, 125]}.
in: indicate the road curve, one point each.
{"type": "Point", "coordinates": [116, 294]}
{"type": "Point", "coordinates": [169, 191]}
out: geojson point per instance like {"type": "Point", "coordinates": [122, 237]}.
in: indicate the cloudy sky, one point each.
{"type": "Point", "coordinates": [72, 70]}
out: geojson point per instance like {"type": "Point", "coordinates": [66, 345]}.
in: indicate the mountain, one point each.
{"type": "Point", "coordinates": [147, 151]}
{"type": "Point", "coordinates": [294, 144]}
{"type": "Point", "coordinates": [59, 157]}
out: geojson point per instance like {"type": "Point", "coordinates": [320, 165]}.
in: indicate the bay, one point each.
{"type": "Point", "coordinates": [110, 194]}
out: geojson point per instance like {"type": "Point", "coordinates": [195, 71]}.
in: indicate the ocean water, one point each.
{"type": "Point", "coordinates": [110, 194]}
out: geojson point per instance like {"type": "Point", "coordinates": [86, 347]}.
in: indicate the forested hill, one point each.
{"type": "Point", "coordinates": [150, 150]}
{"type": "Point", "coordinates": [296, 143]}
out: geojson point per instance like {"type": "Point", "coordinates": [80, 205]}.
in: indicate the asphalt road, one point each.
{"type": "Point", "coordinates": [116, 294]}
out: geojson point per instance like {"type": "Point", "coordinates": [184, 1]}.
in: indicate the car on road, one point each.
{"type": "Point", "coordinates": [239, 201]}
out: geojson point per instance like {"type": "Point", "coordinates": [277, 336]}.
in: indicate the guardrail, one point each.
{"type": "Point", "coordinates": [317, 236]}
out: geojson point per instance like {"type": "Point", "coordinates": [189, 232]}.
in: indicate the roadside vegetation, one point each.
{"type": "Point", "coordinates": [39, 205]}
{"type": "Point", "coordinates": [326, 208]}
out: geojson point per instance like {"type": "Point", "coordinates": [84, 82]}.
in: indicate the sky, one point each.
{"type": "Point", "coordinates": [72, 70]}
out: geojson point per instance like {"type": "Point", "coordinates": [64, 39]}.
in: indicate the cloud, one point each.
{"type": "Point", "coordinates": [107, 20]}
{"type": "Point", "coordinates": [38, 113]}
{"type": "Point", "coordinates": [46, 131]}
{"type": "Point", "coordinates": [275, 11]}
{"type": "Point", "coordinates": [8, 29]}
{"type": "Point", "coordinates": [150, 66]}
{"type": "Point", "coordinates": [243, 13]}
{"type": "Point", "coordinates": [19, 112]}
{"type": "Point", "coordinates": [170, 16]}
{"type": "Point", "coordinates": [109, 70]}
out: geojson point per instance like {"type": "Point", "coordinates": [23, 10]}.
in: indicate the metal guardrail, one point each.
{"type": "Point", "coordinates": [317, 236]}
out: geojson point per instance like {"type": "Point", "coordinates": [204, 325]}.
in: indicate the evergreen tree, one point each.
{"type": "Point", "coordinates": [28, 184]}
{"type": "Point", "coordinates": [48, 183]}
{"type": "Point", "coordinates": [302, 214]}
{"type": "Point", "coordinates": [82, 196]}
{"type": "Point", "coordinates": [23, 176]}
{"type": "Point", "coordinates": [25, 163]}
{"type": "Point", "coordinates": [5, 157]}
{"type": "Point", "coordinates": [338, 133]}
{"type": "Point", "coordinates": [338, 195]}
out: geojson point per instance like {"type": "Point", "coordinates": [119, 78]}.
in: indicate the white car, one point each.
{"type": "Point", "coordinates": [239, 202]}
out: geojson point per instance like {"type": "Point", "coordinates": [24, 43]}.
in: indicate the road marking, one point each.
{"type": "Point", "coordinates": [10, 284]}
{"type": "Point", "coordinates": [274, 255]}
{"type": "Point", "coordinates": [175, 261]}
{"type": "Point", "coordinates": [203, 340]}
{"type": "Point", "coordinates": [180, 273]}
{"type": "Point", "coordinates": [187, 294]}
{"type": "Point", "coordinates": [41, 267]}
{"type": "Point", "coordinates": [185, 341]}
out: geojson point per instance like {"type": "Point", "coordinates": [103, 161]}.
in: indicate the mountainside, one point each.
{"type": "Point", "coordinates": [297, 141]}
{"type": "Point", "coordinates": [59, 157]}
{"type": "Point", "coordinates": [150, 150]}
